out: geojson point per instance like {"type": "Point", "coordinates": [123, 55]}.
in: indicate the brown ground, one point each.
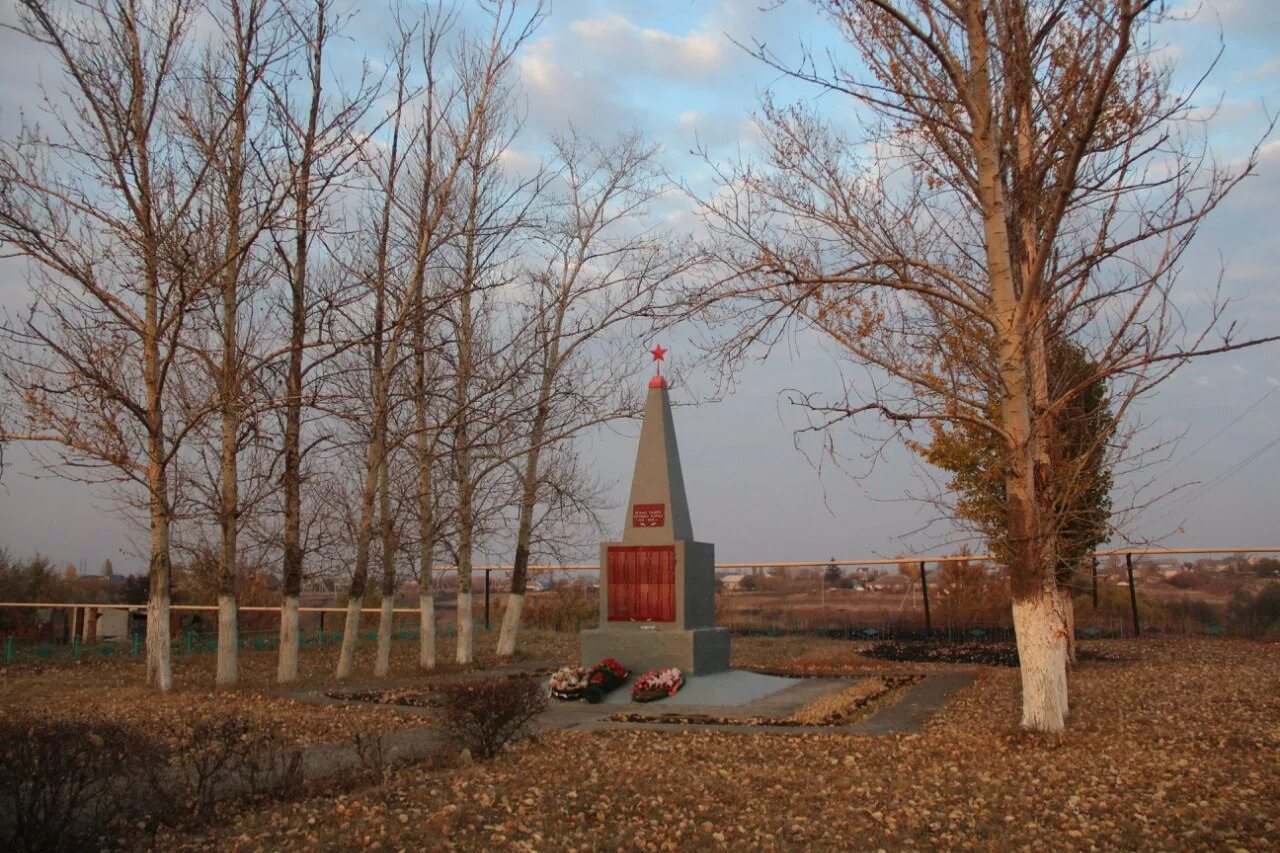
{"type": "Point", "coordinates": [1173, 744]}
{"type": "Point", "coordinates": [115, 687]}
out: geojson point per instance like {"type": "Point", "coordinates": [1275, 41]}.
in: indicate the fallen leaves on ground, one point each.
{"type": "Point", "coordinates": [840, 704]}
{"type": "Point", "coordinates": [115, 688]}
{"type": "Point", "coordinates": [1175, 747]}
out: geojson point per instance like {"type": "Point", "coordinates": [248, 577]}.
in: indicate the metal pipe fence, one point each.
{"type": "Point", "coordinates": [904, 623]}
{"type": "Point", "coordinates": [190, 643]}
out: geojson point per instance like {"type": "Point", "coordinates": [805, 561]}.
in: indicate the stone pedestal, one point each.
{"type": "Point", "coordinates": [696, 652]}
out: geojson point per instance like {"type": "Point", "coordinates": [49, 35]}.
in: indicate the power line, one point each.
{"type": "Point", "coordinates": [1209, 485]}
{"type": "Point", "coordinates": [1229, 425]}
{"type": "Point", "coordinates": [1221, 477]}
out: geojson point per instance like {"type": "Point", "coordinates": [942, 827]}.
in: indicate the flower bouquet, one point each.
{"type": "Point", "coordinates": [568, 682]}
{"type": "Point", "coordinates": [605, 676]}
{"type": "Point", "coordinates": [657, 684]}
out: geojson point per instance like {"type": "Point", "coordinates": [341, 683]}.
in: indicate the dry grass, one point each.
{"type": "Point", "coordinates": [840, 703]}
{"type": "Point", "coordinates": [1175, 746]}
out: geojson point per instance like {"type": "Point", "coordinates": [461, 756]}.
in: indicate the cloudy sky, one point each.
{"type": "Point", "coordinates": [671, 69]}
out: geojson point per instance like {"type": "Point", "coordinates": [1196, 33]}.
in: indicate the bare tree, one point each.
{"type": "Point", "coordinates": [452, 131]}
{"type": "Point", "coordinates": [602, 267]}
{"type": "Point", "coordinates": [99, 210]}
{"type": "Point", "coordinates": [223, 119]}
{"type": "Point", "coordinates": [493, 206]}
{"type": "Point", "coordinates": [374, 271]}
{"type": "Point", "coordinates": [445, 136]}
{"type": "Point", "coordinates": [318, 129]}
{"type": "Point", "coordinates": [1033, 174]}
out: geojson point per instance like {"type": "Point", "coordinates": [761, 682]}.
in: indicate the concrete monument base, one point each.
{"type": "Point", "coordinates": [695, 652]}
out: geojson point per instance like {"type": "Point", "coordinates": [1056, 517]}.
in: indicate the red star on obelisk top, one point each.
{"type": "Point", "coordinates": [658, 353]}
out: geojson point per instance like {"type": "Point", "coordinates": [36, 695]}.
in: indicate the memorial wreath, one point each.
{"type": "Point", "coordinates": [657, 684]}
{"type": "Point", "coordinates": [605, 676]}
{"type": "Point", "coordinates": [568, 682]}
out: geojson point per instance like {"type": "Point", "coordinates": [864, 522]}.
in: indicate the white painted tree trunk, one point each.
{"type": "Point", "coordinates": [287, 667]}
{"type": "Point", "coordinates": [510, 625]}
{"type": "Point", "coordinates": [350, 636]}
{"type": "Point", "coordinates": [385, 627]}
{"type": "Point", "coordinates": [1037, 622]}
{"type": "Point", "coordinates": [427, 632]}
{"type": "Point", "coordinates": [228, 641]}
{"type": "Point", "coordinates": [465, 626]}
{"type": "Point", "coordinates": [159, 664]}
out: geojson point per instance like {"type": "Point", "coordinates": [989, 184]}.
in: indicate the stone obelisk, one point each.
{"type": "Point", "coordinates": [657, 586]}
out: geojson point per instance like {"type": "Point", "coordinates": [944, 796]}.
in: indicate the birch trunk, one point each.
{"type": "Point", "coordinates": [466, 625]}
{"type": "Point", "coordinates": [159, 664]}
{"type": "Point", "coordinates": [228, 641]}
{"type": "Point", "coordinates": [387, 535]}
{"type": "Point", "coordinates": [350, 631]}
{"type": "Point", "coordinates": [229, 380]}
{"type": "Point", "coordinates": [159, 671]}
{"type": "Point", "coordinates": [291, 478]}
{"type": "Point", "coordinates": [426, 512]}
{"type": "Point", "coordinates": [1067, 605]}
{"type": "Point", "coordinates": [383, 363]}
{"type": "Point", "coordinates": [464, 474]}
{"type": "Point", "coordinates": [427, 631]}
{"type": "Point", "coordinates": [360, 578]}
{"type": "Point", "coordinates": [1036, 618]}
{"type": "Point", "coordinates": [1037, 623]}
{"type": "Point", "coordinates": [520, 568]}
{"type": "Point", "coordinates": [287, 666]}
{"type": "Point", "coordinates": [524, 534]}
{"type": "Point", "coordinates": [385, 625]}
{"type": "Point", "coordinates": [510, 624]}
{"type": "Point", "coordinates": [228, 521]}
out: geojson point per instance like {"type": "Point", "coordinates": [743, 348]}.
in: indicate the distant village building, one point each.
{"type": "Point", "coordinates": [891, 583]}
{"type": "Point", "coordinates": [732, 583]}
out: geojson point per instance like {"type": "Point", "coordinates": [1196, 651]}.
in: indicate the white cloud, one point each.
{"type": "Point", "coordinates": [627, 47]}
{"type": "Point", "coordinates": [1270, 68]}
{"type": "Point", "coordinates": [562, 94]}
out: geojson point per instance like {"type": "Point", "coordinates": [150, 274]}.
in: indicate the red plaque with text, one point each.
{"type": "Point", "coordinates": [648, 515]}
{"type": "Point", "coordinates": [642, 583]}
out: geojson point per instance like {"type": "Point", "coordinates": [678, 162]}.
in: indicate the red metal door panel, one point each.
{"type": "Point", "coordinates": [642, 583]}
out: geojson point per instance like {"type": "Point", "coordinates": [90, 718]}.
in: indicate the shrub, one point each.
{"type": "Point", "coordinates": [62, 780]}
{"type": "Point", "coordinates": [373, 752]}
{"type": "Point", "coordinates": [1190, 615]}
{"type": "Point", "coordinates": [966, 595]}
{"type": "Point", "coordinates": [1255, 614]}
{"type": "Point", "coordinates": [484, 715]}
{"type": "Point", "coordinates": [566, 608]}
{"type": "Point", "coordinates": [217, 756]}
{"type": "Point", "coordinates": [1194, 579]}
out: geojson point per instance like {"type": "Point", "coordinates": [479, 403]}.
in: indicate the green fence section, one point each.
{"type": "Point", "coordinates": [188, 643]}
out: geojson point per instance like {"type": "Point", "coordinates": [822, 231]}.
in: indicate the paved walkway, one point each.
{"type": "Point", "coordinates": [757, 695]}
{"type": "Point", "coordinates": [919, 702]}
